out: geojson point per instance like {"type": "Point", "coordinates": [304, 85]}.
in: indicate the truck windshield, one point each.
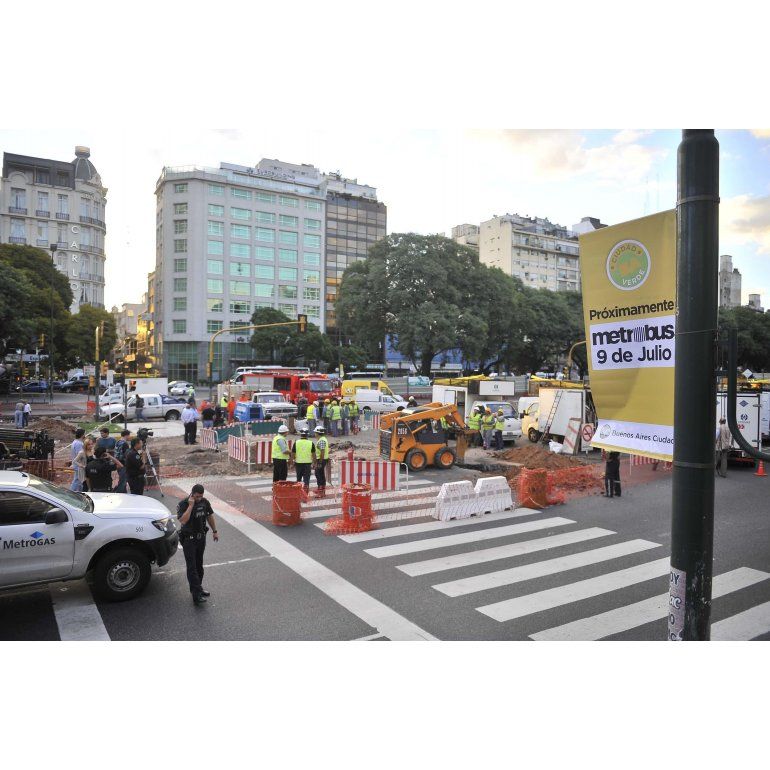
{"type": "Point", "coordinates": [504, 405]}
{"type": "Point", "coordinates": [271, 398]}
{"type": "Point", "coordinates": [320, 386]}
{"type": "Point", "coordinates": [75, 499]}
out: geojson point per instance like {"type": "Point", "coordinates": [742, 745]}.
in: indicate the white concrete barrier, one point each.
{"type": "Point", "coordinates": [456, 500]}
{"type": "Point", "coordinates": [494, 494]}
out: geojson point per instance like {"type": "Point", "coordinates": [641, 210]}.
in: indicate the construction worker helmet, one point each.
{"type": "Point", "coordinates": [499, 411]}
{"type": "Point", "coordinates": [488, 410]}
{"type": "Point", "coordinates": [320, 430]}
{"type": "Point", "coordinates": [283, 429]}
{"type": "Point", "coordinates": [326, 401]}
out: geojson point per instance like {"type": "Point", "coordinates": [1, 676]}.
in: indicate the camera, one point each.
{"type": "Point", "coordinates": [143, 433]}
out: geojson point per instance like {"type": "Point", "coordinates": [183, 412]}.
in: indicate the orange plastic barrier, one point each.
{"type": "Point", "coordinates": [357, 514]}
{"type": "Point", "coordinates": [288, 497]}
{"type": "Point", "coordinates": [533, 488]}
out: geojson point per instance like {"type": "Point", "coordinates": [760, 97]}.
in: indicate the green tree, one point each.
{"type": "Point", "coordinates": [81, 335]}
{"type": "Point", "coordinates": [753, 336]}
{"type": "Point", "coordinates": [269, 344]}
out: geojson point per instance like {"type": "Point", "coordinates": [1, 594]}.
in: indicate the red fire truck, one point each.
{"type": "Point", "coordinates": [292, 383]}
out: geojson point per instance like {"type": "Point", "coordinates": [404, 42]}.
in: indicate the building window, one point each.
{"type": "Point", "coordinates": [180, 284]}
{"type": "Point", "coordinates": [258, 305]}
{"type": "Point", "coordinates": [18, 198]}
{"type": "Point", "coordinates": [215, 266]}
{"type": "Point", "coordinates": [240, 269]}
{"type": "Point", "coordinates": [240, 287]}
{"type": "Point", "coordinates": [287, 274]}
{"type": "Point", "coordinates": [42, 202]}
{"type": "Point", "coordinates": [265, 197]}
{"type": "Point", "coordinates": [312, 311]}
{"type": "Point", "coordinates": [287, 292]}
{"type": "Point", "coordinates": [287, 237]}
{"type": "Point", "coordinates": [263, 234]}
{"type": "Point", "coordinates": [63, 204]}
{"type": "Point", "coordinates": [180, 265]}
{"type": "Point", "coordinates": [311, 241]}
{"type": "Point", "coordinates": [216, 189]}
{"type": "Point", "coordinates": [237, 192]}
{"type": "Point", "coordinates": [312, 224]}
{"type": "Point", "coordinates": [265, 217]}
{"type": "Point", "coordinates": [212, 327]}
{"type": "Point", "coordinates": [180, 208]}
{"type": "Point", "coordinates": [215, 248]}
{"type": "Point", "coordinates": [287, 255]}
{"type": "Point", "coordinates": [215, 306]}
{"type": "Point", "coordinates": [311, 276]}
{"type": "Point", "coordinates": [264, 290]}
{"type": "Point", "coordinates": [313, 205]}
{"type": "Point", "coordinates": [42, 176]}
{"type": "Point", "coordinates": [286, 220]}
{"type": "Point", "coordinates": [216, 211]}
{"type": "Point", "coordinates": [264, 252]}
{"type": "Point", "coordinates": [180, 245]}
{"type": "Point", "coordinates": [288, 201]}
{"type": "Point", "coordinates": [180, 226]}
{"type": "Point", "coordinates": [180, 188]}
{"type": "Point", "coordinates": [215, 286]}
{"type": "Point", "coordinates": [180, 304]}
{"type": "Point", "coordinates": [239, 306]}
{"type": "Point", "coordinates": [240, 250]}
{"type": "Point", "coordinates": [216, 228]}
{"type": "Point", "coordinates": [289, 310]}
{"type": "Point", "coordinates": [264, 271]}
{"type": "Point", "coordinates": [240, 231]}
{"type": "Point", "coordinates": [237, 213]}
{"type": "Point", "coordinates": [42, 233]}
{"type": "Point", "coordinates": [180, 326]}
{"type": "Point", "coordinates": [311, 293]}
{"type": "Point", "coordinates": [311, 258]}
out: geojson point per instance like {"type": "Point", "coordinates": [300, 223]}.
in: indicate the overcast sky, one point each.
{"type": "Point", "coordinates": [432, 180]}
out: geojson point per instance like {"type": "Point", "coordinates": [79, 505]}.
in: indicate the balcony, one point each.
{"type": "Point", "coordinates": [17, 210]}
{"type": "Point", "coordinates": [42, 242]}
{"type": "Point", "coordinates": [92, 221]}
{"type": "Point", "coordinates": [62, 245]}
{"type": "Point", "coordinates": [17, 239]}
{"type": "Point", "coordinates": [41, 213]}
{"type": "Point", "coordinates": [61, 215]}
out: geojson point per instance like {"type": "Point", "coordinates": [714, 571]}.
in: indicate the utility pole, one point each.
{"type": "Point", "coordinates": [692, 521]}
{"type": "Point", "coordinates": [52, 247]}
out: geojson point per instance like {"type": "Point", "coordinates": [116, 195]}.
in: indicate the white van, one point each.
{"type": "Point", "coordinates": [376, 401]}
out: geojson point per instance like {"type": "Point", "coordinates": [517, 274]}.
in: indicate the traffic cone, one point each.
{"type": "Point", "coordinates": [761, 470]}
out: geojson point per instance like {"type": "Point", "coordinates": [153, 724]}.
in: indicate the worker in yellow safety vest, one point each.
{"type": "Point", "coordinates": [499, 427]}
{"type": "Point", "coordinates": [474, 424]}
{"type": "Point", "coordinates": [335, 415]}
{"type": "Point", "coordinates": [280, 455]}
{"type": "Point", "coordinates": [304, 455]}
{"type": "Point", "coordinates": [327, 415]}
{"type": "Point", "coordinates": [322, 460]}
{"type": "Point", "coordinates": [353, 416]}
{"type": "Point", "coordinates": [487, 427]}
{"type": "Point", "coordinates": [311, 417]}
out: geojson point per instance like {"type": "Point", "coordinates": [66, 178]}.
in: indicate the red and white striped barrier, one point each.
{"type": "Point", "coordinates": [640, 460]}
{"type": "Point", "coordinates": [263, 451]}
{"type": "Point", "coordinates": [208, 438]}
{"type": "Point", "coordinates": [238, 449]}
{"type": "Point", "coordinates": [571, 439]}
{"type": "Point", "coordinates": [379, 474]}
{"type": "Point", "coordinates": [370, 421]}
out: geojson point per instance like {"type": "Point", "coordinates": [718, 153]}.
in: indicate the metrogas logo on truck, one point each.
{"type": "Point", "coordinates": [37, 539]}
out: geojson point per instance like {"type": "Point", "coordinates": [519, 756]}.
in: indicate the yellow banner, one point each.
{"type": "Point", "coordinates": [629, 305]}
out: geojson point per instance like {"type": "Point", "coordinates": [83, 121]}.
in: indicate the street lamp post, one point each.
{"type": "Point", "coordinates": [52, 247]}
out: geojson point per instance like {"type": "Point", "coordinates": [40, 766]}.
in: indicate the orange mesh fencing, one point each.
{"type": "Point", "coordinates": [357, 514]}
{"type": "Point", "coordinates": [540, 487]}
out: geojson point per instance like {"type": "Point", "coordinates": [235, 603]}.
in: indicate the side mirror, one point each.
{"type": "Point", "coordinates": [56, 516]}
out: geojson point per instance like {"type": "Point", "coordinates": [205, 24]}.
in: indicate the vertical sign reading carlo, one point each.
{"type": "Point", "coordinates": [629, 306]}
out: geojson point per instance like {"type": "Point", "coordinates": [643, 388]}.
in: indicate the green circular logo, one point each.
{"type": "Point", "coordinates": [628, 265]}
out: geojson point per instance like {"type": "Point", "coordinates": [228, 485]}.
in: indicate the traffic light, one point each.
{"type": "Point", "coordinates": [105, 367]}
{"type": "Point", "coordinates": [41, 341]}
{"type": "Point", "coordinates": [302, 322]}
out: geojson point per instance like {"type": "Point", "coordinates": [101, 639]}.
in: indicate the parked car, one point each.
{"type": "Point", "coordinates": [154, 408]}
{"type": "Point", "coordinates": [79, 382]}
{"type": "Point", "coordinates": [179, 387]}
{"type": "Point", "coordinates": [50, 534]}
{"type": "Point", "coordinates": [35, 386]}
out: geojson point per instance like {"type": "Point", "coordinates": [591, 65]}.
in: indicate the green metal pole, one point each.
{"type": "Point", "coordinates": [692, 521]}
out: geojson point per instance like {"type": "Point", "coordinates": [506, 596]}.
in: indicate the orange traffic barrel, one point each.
{"type": "Point", "coordinates": [356, 502]}
{"type": "Point", "coordinates": [288, 497]}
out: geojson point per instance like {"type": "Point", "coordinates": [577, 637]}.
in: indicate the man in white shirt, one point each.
{"type": "Point", "coordinates": [77, 447]}
{"type": "Point", "coordinates": [724, 442]}
{"type": "Point", "coordinates": [27, 413]}
{"type": "Point", "coordinates": [190, 418]}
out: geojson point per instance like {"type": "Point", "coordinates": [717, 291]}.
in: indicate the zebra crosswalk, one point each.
{"type": "Point", "coordinates": [565, 553]}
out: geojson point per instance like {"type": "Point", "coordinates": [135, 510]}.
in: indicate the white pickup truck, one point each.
{"type": "Point", "coordinates": [48, 534]}
{"type": "Point", "coordinates": [155, 406]}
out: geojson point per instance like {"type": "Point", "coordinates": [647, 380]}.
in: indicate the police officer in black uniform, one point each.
{"type": "Point", "coordinates": [135, 467]}
{"type": "Point", "coordinates": [99, 470]}
{"type": "Point", "coordinates": [194, 513]}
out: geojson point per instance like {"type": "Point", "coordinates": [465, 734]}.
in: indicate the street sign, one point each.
{"type": "Point", "coordinates": [89, 370]}
{"type": "Point", "coordinates": [587, 432]}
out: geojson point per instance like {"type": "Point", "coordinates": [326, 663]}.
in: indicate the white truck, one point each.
{"type": "Point", "coordinates": [495, 394]}
{"type": "Point", "coordinates": [142, 385]}
{"type": "Point", "coordinates": [570, 404]}
{"type": "Point", "coordinates": [156, 406]}
{"type": "Point", "coordinates": [748, 414]}
{"type": "Point", "coordinates": [378, 402]}
{"type": "Point", "coordinates": [48, 534]}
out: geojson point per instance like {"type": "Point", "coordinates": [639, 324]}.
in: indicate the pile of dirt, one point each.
{"type": "Point", "coordinates": [58, 429]}
{"type": "Point", "coordinates": [535, 456]}
{"type": "Point", "coordinates": [178, 458]}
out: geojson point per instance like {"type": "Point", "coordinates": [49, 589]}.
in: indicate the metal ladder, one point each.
{"type": "Point", "coordinates": [551, 416]}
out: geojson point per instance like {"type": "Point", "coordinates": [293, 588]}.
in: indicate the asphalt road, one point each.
{"type": "Point", "coordinates": [591, 568]}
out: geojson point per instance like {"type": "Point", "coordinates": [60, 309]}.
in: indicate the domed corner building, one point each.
{"type": "Point", "coordinates": [45, 202]}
